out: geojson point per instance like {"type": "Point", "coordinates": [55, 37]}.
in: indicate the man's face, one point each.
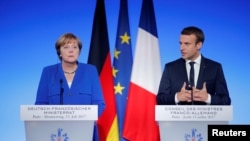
{"type": "Point", "coordinates": [189, 47]}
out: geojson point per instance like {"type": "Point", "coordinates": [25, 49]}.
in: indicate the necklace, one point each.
{"type": "Point", "coordinates": [69, 72]}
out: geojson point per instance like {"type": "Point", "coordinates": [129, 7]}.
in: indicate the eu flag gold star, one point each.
{"type": "Point", "coordinates": [114, 71]}
{"type": "Point", "coordinates": [125, 38]}
{"type": "Point", "coordinates": [116, 54]}
{"type": "Point", "coordinates": [118, 88]}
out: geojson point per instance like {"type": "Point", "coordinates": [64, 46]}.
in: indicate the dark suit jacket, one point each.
{"type": "Point", "coordinates": [175, 74]}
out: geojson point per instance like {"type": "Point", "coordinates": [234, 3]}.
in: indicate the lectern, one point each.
{"type": "Point", "coordinates": [59, 122]}
{"type": "Point", "coordinates": [189, 123]}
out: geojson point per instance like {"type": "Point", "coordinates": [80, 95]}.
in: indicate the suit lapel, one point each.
{"type": "Point", "coordinates": [201, 73]}
{"type": "Point", "coordinates": [183, 71]}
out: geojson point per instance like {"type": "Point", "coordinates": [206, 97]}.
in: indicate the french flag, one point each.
{"type": "Point", "coordinates": [140, 124]}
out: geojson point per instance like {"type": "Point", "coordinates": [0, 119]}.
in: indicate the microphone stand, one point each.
{"type": "Point", "coordinates": [192, 95]}
{"type": "Point", "coordinates": [61, 92]}
{"type": "Point", "coordinates": [190, 87]}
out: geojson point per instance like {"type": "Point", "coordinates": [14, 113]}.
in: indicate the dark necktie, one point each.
{"type": "Point", "coordinates": [191, 75]}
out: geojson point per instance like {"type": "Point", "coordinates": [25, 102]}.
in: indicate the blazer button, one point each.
{"type": "Point", "coordinates": [69, 94]}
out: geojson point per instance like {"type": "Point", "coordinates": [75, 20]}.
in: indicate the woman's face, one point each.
{"type": "Point", "coordinates": [70, 52]}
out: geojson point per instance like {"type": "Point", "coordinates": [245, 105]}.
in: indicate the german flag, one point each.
{"type": "Point", "coordinates": [99, 55]}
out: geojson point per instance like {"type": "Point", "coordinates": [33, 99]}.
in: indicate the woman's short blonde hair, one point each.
{"type": "Point", "coordinates": [64, 39]}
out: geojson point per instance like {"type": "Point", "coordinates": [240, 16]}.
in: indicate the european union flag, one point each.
{"type": "Point", "coordinates": [122, 64]}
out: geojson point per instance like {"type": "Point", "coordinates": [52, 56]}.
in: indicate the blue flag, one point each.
{"type": "Point", "coordinates": [122, 64]}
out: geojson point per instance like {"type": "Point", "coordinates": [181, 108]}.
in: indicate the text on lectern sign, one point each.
{"type": "Point", "coordinates": [193, 113]}
{"type": "Point", "coordinates": [58, 112]}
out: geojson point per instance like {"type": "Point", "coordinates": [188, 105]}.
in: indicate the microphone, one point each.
{"type": "Point", "coordinates": [61, 92]}
{"type": "Point", "coordinates": [190, 87]}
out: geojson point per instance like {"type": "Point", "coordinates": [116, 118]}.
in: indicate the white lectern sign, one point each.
{"type": "Point", "coordinates": [189, 122]}
{"type": "Point", "coordinates": [59, 122]}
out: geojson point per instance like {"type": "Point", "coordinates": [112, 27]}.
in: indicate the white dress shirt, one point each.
{"type": "Point", "coordinates": [196, 74]}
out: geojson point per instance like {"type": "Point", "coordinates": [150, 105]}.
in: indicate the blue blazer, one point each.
{"type": "Point", "coordinates": [175, 74]}
{"type": "Point", "coordinates": [85, 88]}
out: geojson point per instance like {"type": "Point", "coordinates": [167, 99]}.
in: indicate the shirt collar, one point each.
{"type": "Point", "coordinates": [197, 60]}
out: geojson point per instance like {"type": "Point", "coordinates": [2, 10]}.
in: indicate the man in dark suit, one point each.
{"type": "Point", "coordinates": [209, 86]}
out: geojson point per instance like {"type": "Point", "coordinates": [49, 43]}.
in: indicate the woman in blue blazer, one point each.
{"type": "Point", "coordinates": [83, 89]}
{"type": "Point", "coordinates": [70, 82]}
{"type": "Point", "coordinates": [210, 87]}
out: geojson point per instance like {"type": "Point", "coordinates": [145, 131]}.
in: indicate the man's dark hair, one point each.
{"type": "Point", "coordinates": [195, 31]}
